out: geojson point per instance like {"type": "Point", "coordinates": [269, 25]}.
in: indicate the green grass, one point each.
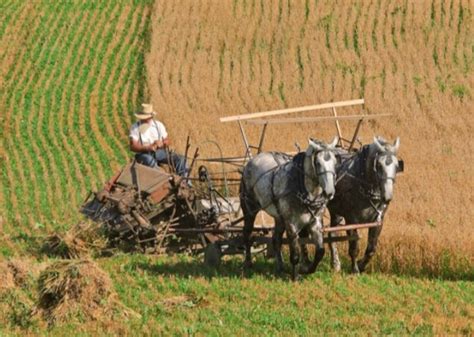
{"type": "Point", "coordinates": [223, 302]}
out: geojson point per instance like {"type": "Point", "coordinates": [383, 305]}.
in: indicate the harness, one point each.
{"type": "Point", "coordinates": [313, 205]}
{"type": "Point", "coordinates": [366, 189]}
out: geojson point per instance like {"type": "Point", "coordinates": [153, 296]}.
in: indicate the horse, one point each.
{"type": "Point", "coordinates": [294, 191]}
{"type": "Point", "coordinates": [364, 190]}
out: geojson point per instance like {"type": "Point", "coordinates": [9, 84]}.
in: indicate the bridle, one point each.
{"type": "Point", "coordinates": [315, 169]}
{"type": "Point", "coordinates": [382, 176]}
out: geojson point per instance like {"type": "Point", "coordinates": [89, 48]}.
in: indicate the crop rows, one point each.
{"type": "Point", "coordinates": [413, 59]}
{"type": "Point", "coordinates": [66, 98]}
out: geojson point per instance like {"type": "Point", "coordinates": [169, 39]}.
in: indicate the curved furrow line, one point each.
{"type": "Point", "coordinates": [11, 70]}
{"type": "Point", "coordinates": [69, 116]}
{"type": "Point", "coordinates": [64, 127]}
{"type": "Point", "coordinates": [98, 112]}
{"type": "Point", "coordinates": [41, 114]}
{"type": "Point", "coordinates": [125, 99]}
{"type": "Point", "coordinates": [46, 175]}
{"type": "Point", "coordinates": [137, 91]}
{"type": "Point", "coordinates": [195, 45]}
{"type": "Point", "coordinates": [52, 124]}
{"type": "Point", "coordinates": [156, 55]}
{"type": "Point", "coordinates": [20, 98]}
{"type": "Point", "coordinates": [130, 50]}
{"type": "Point", "coordinates": [365, 23]}
{"type": "Point", "coordinates": [11, 189]}
{"type": "Point", "coordinates": [165, 76]}
{"type": "Point", "coordinates": [101, 147]}
{"type": "Point", "coordinates": [264, 40]}
{"type": "Point", "coordinates": [191, 17]}
{"type": "Point", "coordinates": [81, 114]}
{"type": "Point", "coordinates": [114, 126]}
{"type": "Point", "coordinates": [176, 96]}
{"type": "Point", "coordinates": [6, 15]}
{"type": "Point", "coordinates": [186, 66]}
{"type": "Point", "coordinates": [249, 47]}
{"type": "Point", "coordinates": [12, 34]}
{"type": "Point", "coordinates": [468, 40]}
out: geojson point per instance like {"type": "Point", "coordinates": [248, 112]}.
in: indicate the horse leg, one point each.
{"type": "Point", "coordinates": [316, 234]}
{"type": "Point", "coordinates": [306, 262]}
{"type": "Point", "coordinates": [354, 250]}
{"type": "Point", "coordinates": [336, 263]}
{"type": "Point", "coordinates": [374, 233]}
{"type": "Point", "coordinates": [292, 233]}
{"type": "Point", "coordinates": [249, 219]}
{"type": "Point", "coordinates": [277, 242]}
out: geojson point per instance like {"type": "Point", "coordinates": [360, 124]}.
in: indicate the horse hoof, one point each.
{"type": "Point", "coordinates": [355, 271]}
{"type": "Point", "coordinates": [305, 269]}
{"type": "Point", "coordinates": [279, 270]}
{"type": "Point", "coordinates": [336, 268]}
{"type": "Point", "coordinates": [248, 265]}
{"type": "Point", "coordinates": [361, 266]}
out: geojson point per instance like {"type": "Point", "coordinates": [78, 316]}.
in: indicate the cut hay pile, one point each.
{"type": "Point", "coordinates": [7, 279]}
{"type": "Point", "coordinates": [17, 276]}
{"type": "Point", "coordinates": [17, 272]}
{"type": "Point", "coordinates": [77, 290]}
{"type": "Point", "coordinates": [80, 241]}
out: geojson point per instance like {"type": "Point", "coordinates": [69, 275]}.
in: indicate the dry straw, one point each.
{"type": "Point", "coordinates": [78, 289]}
{"type": "Point", "coordinates": [81, 240]}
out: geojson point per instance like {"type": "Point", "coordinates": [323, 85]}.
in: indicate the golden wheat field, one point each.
{"type": "Point", "coordinates": [411, 59]}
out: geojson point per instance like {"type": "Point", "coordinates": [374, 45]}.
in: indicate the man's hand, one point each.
{"type": "Point", "coordinates": [157, 145]}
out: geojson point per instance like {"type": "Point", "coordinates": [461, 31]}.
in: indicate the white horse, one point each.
{"type": "Point", "coordinates": [294, 191]}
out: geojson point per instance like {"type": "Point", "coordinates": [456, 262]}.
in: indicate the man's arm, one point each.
{"type": "Point", "coordinates": [137, 147]}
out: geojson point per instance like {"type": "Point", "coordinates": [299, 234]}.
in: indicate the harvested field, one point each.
{"type": "Point", "coordinates": [412, 60]}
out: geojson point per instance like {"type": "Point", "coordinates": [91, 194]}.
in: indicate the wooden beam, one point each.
{"type": "Point", "coordinates": [313, 119]}
{"type": "Point", "coordinates": [291, 110]}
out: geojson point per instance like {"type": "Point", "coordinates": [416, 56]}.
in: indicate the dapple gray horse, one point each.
{"type": "Point", "coordinates": [363, 192]}
{"type": "Point", "coordinates": [294, 192]}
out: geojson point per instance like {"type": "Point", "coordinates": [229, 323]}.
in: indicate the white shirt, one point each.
{"type": "Point", "coordinates": [156, 131]}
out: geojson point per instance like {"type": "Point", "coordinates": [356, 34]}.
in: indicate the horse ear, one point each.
{"type": "Point", "coordinates": [314, 145]}
{"type": "Point", "coordinates": [334, 142]}
{"type": "Point", "coordinates": [377, 143]}
{"type": "Point", "coordinates": [396, 145]}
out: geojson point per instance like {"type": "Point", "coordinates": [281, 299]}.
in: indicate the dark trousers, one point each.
{"type": "Point", "coordinates": [161, 157]}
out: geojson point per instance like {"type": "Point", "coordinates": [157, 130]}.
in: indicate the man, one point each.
{"type": "Point", "coordinates": [149, 139]}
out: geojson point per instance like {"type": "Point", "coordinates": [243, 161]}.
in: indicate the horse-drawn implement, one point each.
{"type": "Point", "coordinates": [152, 210]}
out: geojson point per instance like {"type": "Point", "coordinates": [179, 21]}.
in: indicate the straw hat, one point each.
{"type": "Point", "coordinates": [147, 112]}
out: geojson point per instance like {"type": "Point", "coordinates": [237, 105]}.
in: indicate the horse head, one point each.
{"type": "Point", "coordinates": [322, 165]}
{"type": "Point", "coordinates": [384, 165]}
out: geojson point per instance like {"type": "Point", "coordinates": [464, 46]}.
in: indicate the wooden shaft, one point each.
{"type": "Point", "coordinates": [291, 110]}
{"type": "Point", "coordinates": [350, 227]}
{"type": "Point", "coordinates": [338, 127]}
{"type": "Point", "coordinates": [261, 121]}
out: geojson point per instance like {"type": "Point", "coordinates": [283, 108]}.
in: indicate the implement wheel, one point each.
{"type": "Point", "coordinates": [212, 255]}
